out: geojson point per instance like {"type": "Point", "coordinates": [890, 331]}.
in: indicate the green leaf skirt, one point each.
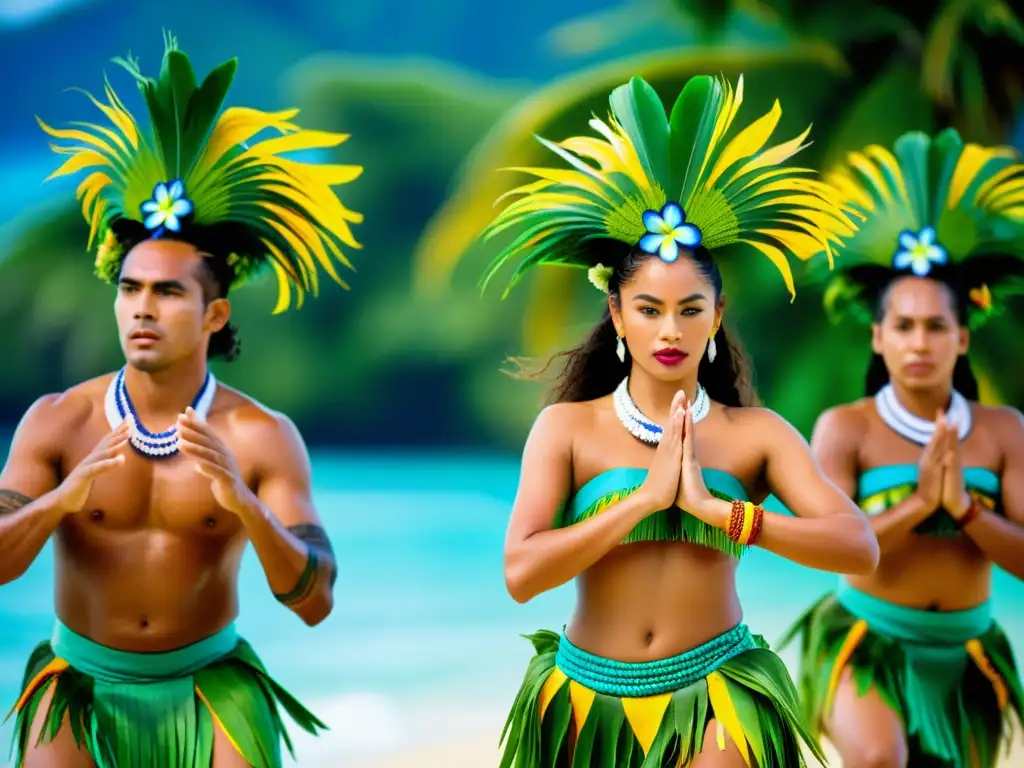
{"type": "Point", "coordinates": [157, 710]}
{"type": "Point", "coordinates": [950, 677]}
{"type": "Point", "coordinates": [577, 710]}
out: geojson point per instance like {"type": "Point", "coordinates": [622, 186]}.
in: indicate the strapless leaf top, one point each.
{"type": "Point", "coordinates": [672, 524]}
{"type": "Point", "coordinates": [881, 488]}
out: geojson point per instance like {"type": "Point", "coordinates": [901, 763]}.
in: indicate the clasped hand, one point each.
{"type": "Point", "coordinates": [214, 461]}
{"type": "Point", "coordinates": [940, 480]}
{"type": "Point", "coordinates": [675, 476]}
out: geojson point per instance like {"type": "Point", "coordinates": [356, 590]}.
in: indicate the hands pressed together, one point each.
{"type": "Point", "coordinates": [675, 476]}
{"type": "Point", "coordinates": [940, 481]}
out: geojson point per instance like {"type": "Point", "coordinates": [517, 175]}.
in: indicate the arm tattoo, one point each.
{"type": "Point", "coordinates": [320, 551]}
{"type": "Point", "coordinates": [12, 501]}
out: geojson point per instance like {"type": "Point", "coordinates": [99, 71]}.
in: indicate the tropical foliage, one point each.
{"type": "Point", "coordinates": [861, 72]}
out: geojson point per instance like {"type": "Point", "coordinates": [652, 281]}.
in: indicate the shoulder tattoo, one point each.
{"type": "Point", "coordinates": [12, 501]}
{"type": "Point", "coordinates": [319, 563]}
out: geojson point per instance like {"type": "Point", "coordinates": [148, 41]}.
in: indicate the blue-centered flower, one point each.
{"type": "Point", "coordinates": [920, 252]}
{"type": "Point", "coordinates": [666, 232]}
{"type": "Point", "coordinates": [167, 207]}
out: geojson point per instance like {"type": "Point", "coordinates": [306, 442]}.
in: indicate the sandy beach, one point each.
{"type": "Point", "coordinates": [480, 752]}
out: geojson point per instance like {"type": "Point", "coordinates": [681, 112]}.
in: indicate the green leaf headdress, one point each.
{"type": "Point", "coordinates": [200, 175]}
{"type": "Point", "coordinates": [662, 182]}
{"type": "Point", "coordinates": [934, 208]}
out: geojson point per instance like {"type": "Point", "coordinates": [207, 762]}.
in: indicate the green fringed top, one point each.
{"type": "Point", "coordinates": [881, 488]}
{"type": "Point", "coordinates": [672, 524]}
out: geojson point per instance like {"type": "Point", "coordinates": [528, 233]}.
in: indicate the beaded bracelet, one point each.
{"type": "Point", "coordinates": [736, 520]}
{"type": "Point", "coordinates": [755, 527]}
{"type": "Point", "coordinates": [971, 514]}
{"type": "Point", "coordinates": [745, 522]}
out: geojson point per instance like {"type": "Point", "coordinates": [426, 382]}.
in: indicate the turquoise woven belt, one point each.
{"type": "Point", "coordinates": [636, 679]}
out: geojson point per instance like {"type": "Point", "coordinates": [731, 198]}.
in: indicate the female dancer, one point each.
{"type": "Point", "coordinates": [906, 666]}
{"type": "Point", "coordinates": [642, 482]}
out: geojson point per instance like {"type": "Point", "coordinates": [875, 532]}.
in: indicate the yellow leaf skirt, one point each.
{"type": "Point", "coordinates": [577, 710]}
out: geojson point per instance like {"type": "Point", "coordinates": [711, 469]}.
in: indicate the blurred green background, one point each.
{"type": "Point", "coordinates": [436, 97]}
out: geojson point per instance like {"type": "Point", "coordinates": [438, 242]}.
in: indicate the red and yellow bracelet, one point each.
{"type": "Point", "coordinates": [745, 523]}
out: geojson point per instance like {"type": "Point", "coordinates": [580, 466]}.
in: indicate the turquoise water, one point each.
{"type": "Point", "coordinates": [423, 644]}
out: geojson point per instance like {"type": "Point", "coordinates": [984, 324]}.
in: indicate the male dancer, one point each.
{"type": "Point", "coordinates": [144, 667]}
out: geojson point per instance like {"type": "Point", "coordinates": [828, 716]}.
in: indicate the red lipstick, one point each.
{"type": "Point", "coordinates": [670, 356]}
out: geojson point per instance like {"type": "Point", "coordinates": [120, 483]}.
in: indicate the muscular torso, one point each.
{"type": "Point", "coordinates": [650, 600]}
{"type": "Point", "coordinates": [928, 572]}
{"type": "Point", "coordinates": [151, 562]}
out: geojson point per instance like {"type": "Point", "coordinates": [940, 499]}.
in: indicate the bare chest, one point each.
{"type": "Point", "coordinates": [166, 494]}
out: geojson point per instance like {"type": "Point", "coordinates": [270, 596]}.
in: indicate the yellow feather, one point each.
{"type": "Point", "coordinates": [235, 126]}
{"type": "Point", "coordinates": [330, 212]}
{"type": "Point", "coordinates": [748, 142]}
{"type": "Point", "coordinates": [1007, 202]}
{"type": "Point", "coordinates": [630, 159]}
{"type": "Point", "coordinates": [778, 258]}
{"type": "Point", "coordinates": [996, 180]}
{"type": "Point", "coordinates": [777, 154]}
{"type": "Point", "coordinates": [882, 156]}
{"type": "Point", "coordinates": [861, 163]}
{"type": "Point", "coordinates": [570, 179]}
{"type": "Point", "coordinates": [75, 135]}
{"type": "Point", "coordinates": [114, 137]}
{"type": "Point", "coordinates": [294, 142]}
{"type": "Point", "coordinates": [763, 177]}
{"type": "Point", "coordinates": [308, 234]}
{"type": "Point", "coordinates": [725, 713]}
{"type": "Point", "coordinates": [595, 149]}
{"type": "Point", "coordinates": [526, 189]}
{"type": "Point", "coordinates": [82, 158]}
{"type": "Point", "coordinates": [119, 115]}
{"type": "Point", "coordinates": [89, 191]}
{"type": "Point", "coordinates": [310, 279]}
{"type": "Point", "coordinates": [324, 222]}
{"type": "Point", "coordinates": [730, 106]}
{"type": "Point", "coordinates": [1011, 186]}
{"type": "Point", "coordinates": [802, 244]}
{"type": "Point", "coordinates": [970, 163]}
{"type": "Point", "coordinates": [283, 270]}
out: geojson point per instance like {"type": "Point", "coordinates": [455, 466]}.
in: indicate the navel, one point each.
{"type": "Point", "coordinates": [96, 515]}
{"type": "Point", "coordinates": [211, 521]}
{"type": "Point", "coordinates": [144, 623]}
{"type": "Point", "coordinates": [648, 639]}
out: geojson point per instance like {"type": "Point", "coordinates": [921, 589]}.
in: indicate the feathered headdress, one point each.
{"type": "Point", "coordinates": [932, 208]}
{"type": "Point", "coordinates": [197, 173]}
{"type": "Point", "coordinates": [664, 182]}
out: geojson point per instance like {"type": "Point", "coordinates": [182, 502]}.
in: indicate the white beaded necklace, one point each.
{"type": "Point", "coordinates": [118, 406]}
{"type": "Point", "coordinates": [639, 425]}
{"type": "Point", "coordinates": [914, 428]}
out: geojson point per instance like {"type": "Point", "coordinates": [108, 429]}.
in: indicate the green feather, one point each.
{"type": "Point", "coordinates": [911, 150]}
{"type": "Point", "coordinates": [692, 126]}
{"type": "Point", "coordinates": [638, 109]}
